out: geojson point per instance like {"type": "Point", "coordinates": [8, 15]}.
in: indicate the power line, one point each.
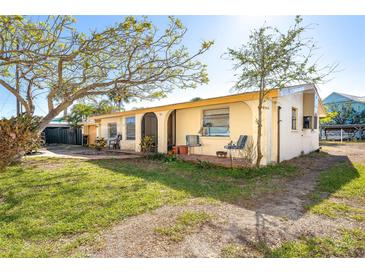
{"type": "Point", "coordinates": [45, 112]}
{"type": "Point", "coordinates": [6, 100]}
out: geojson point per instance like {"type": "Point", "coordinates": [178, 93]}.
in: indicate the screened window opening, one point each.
{"type": "Point", "coordinates": [112, 130]}
{"type": "Point", "coordinates": [216, 122]}
{"type": "Point", "coordinates": [307, 122]}
{"type": "Point", "coordinates": [131, 128]}
{"type": "Point", "coordinates": [294, 118]}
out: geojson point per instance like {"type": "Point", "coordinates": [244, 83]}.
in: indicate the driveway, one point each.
{"type": "Point", "coordinates": [355, 151]}
{"type": "Point", "coordinates": [81, 152]}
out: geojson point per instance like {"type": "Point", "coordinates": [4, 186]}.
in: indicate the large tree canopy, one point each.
{"type": "Point", "coordinates": [272, 59]}
{"type": "Point", "coordinates": [132, 59]}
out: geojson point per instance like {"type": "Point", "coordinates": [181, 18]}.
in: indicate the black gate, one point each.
{"type": "Point", "coordinates": [63, 135]}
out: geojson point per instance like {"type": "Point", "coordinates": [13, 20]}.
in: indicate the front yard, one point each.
{"type": "Point", "coordinates": [312, 206]}
{"type": "Point", "coordinates": [50, 207]}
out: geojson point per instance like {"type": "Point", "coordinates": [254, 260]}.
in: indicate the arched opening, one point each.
{"type": "Point", "coordinates": [150, 128]}
{"type": "Point", "coordinates": [171, 130]}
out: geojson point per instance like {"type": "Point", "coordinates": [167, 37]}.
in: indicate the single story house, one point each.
{"type": "Point", "coordinates": [289, 128]}
{"type": "Point", "coordinates": [338, 100]}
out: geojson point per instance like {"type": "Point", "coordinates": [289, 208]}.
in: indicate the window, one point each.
{"type": "Point", "coordinates": [131, 128]}
{"type": "Point", "coordinates": [216, 122]}
{"type": "Point", "coordinates": [307, 122]}
{"type": "Point", "coordinates": [315, 122]}
{"type": "Point", "coordinates": [294, 118]}
{"type": "Point", "coordinates": [112, 130]}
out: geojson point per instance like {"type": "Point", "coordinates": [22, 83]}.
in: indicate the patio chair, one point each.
{"type": "Point", "coordinates": [240, 145]}
{"type": "Point", "coordinates": [192, 141]}
{"type": "Point", "coordinates": [114, 143]}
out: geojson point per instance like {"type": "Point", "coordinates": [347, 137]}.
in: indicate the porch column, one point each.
{"type": "Point", "coordinates": [162, 117]}
{"type": "Point", "coordinates": [267, 131]}
{"type": "Point", "coordinates": [138, 129]}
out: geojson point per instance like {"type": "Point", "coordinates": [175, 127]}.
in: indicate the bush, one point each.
{"type": "Point", "coordinates": [100, 143]}
{"type": "Point", "coordinates": [18, 136]}
{"type": "Point", "coordinates": [146, 144]}
{"type": "Point", "coordinates": [161, 157]}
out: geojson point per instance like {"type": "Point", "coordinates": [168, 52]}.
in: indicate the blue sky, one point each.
{"type": "Point", "coordinates": [341, 39]}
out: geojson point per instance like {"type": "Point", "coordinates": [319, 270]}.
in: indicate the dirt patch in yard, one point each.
{"type": "Point", "coordinates": [266, 222]}
{"type": "Point", "coordinates": [46, 163]}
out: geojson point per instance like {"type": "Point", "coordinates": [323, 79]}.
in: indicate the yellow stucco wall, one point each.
{"type": "Point", "coordinates": [91, 132]}
{"type": "Point", "coordinates": [189, 122]}
{"type": "Point", "coordinates": [121, 129]}
{"type": "Point", "coordinates": [242, 121]}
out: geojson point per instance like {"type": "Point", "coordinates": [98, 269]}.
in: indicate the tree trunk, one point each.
{"type": "Point", "coordinates": [52, 114]}
{"type": "Point", "coordinates": [259, 133]}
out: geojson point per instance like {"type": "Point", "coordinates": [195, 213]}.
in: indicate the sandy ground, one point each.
{"type": "Point", "coordinates": [272, 219]}
{"type": "Point", "coordinates": [355, 151]}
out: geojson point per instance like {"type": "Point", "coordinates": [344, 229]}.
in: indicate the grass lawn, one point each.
{"type": "Point", "coordinates": [50, 207]}
{"type": "Point", "coordinates": [344, 188]}
{"type": "Point", "coordinates": [349, 243]}
{"type": "Point", "coordinates": [344, 185]}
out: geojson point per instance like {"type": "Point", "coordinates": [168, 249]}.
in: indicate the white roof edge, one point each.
{"type": "Point", "coordinates": [296, 89]}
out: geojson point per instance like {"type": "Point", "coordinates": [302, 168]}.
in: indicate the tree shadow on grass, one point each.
{"type": "Point", "coordinates": [217, 183]}
{"type": "Point", "coordinates": [332, 180]}
{"type": "Point", "coordinates": [239, 187]}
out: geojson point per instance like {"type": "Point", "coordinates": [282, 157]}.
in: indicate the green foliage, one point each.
{"type": "Point", "coordinates": [186, 223]}
{"type": "Point", "coordinates": [272, 59]}
{"type": "Point", "coordinates": [330, 119]}
{"type": "Point", "coordinates": [100, 143]}
{"type": "Point", "coordinates": [127, 61]}
{"type": "Point", "coordinates": [18, 136]}
{"type": "Point", "coordinates": [338, 114]}
{"type": "Point", "coordinates": [338, 210]}
{"type": "Point", "coordinates": [80, 112]}
{"type": "Point", "coordinates": [146, 144]}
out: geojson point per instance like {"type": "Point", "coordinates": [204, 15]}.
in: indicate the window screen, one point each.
{"type": "Point", "coordinates": [131, 128]}
{"type": "Point", "coordinates": [112, 130]}
{"type": "Point", "coordinates": [293, 118]}
{"type": "Point", "coordinates": [216, 122]}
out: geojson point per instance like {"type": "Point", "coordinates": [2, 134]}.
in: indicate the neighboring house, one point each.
{"type": "Point", "coordinates": [338, 101]}
{"type": "Point", "coordinates": [290, 123]}
{"type": "Point", "coordinates": [349, 124]}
